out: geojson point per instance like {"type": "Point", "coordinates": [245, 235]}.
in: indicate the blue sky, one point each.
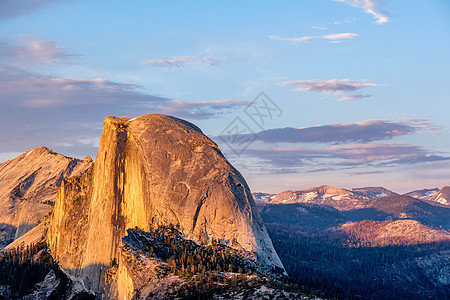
{"type": "Point", "coordinates": [362, 86]}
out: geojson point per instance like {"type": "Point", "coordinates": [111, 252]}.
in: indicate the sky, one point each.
{"type": "Point", "coordinates": [348, 93]}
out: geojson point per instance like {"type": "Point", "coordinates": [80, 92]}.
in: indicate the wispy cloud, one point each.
{"type": "Point", "coordinates": [361, 132]}
{"type": "Point", "coordinates": [347, 156]}
{"type": "Point", "coordinates": [332, 86]}
{"type": "Point", "coordinates": [340, 36]}
{"type": "Point", "coordinates": [303, 39]}
{"type": "Point", "coordinates": [424, 125]}
{"type": "Point", "coordinates": [26, 49]}
{"type": "Point", "coordinates": [353, 97]}
{"type": "Point", "coordinates": [66, 113]}
{"type": "Point", "coordinates": [360, 173]}
{"type": "Point", "coordinates": [21, 88]}
{"type": "Point", "coordinates": [182, 61]}
{"type": "Point", "coordinates": [319, 27]}
{"type": "Point", "coordinates": [370, 7]}
{"type": "Point", "coordinates": [14, 8]}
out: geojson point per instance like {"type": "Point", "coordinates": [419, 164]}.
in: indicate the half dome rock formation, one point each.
{"type": "Point", "coordinates": [29, 184]}
{"type": "Point", "coordinates": [150, 171]}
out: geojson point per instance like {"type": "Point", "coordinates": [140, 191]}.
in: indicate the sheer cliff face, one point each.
{"type": "Point", "coordinates": [152, 170]}
{"type": "Point", "coordinates": [29, 184]}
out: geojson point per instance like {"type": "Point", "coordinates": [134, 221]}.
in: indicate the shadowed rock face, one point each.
{"type": "Point", "coordinates": [29, 184]}
{"type": "Point", "coordinates": [149, 171]}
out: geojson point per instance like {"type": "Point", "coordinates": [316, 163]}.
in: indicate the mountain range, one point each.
{"type": "Point", "coordinates": [345, 199]}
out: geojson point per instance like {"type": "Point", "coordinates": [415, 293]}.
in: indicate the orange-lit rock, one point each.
{"type": "Point", "coordinates": [152, 170]}
{"type": "Point", "coordinates": [29, 184]}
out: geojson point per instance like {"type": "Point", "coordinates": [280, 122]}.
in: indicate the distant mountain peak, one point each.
{"type": "Point", "coordinates": [29, 183]}
{"type": "Point", "coordinates": [374, 191]}
{"type": "Point", "coordinates": [341, 199]}
{"type": "Point", "coordinates": [423, 194]}
{"type": "Point", "coordinates": [442, 196]}
{"type": "Point", "coordinates": [328, 189]}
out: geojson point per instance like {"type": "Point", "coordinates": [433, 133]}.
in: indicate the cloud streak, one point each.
{"type": "Point", "coordinates": [332, 86]}
{"type": "Point", "coordinates": [66, 113]}
{"type": "Point", "coordinates": [21, 88]}
{"type": "Point", "coordinates": [370, 7]}
{"type": "Point", "coordinates": [347, 156]}
{"type": "Point", "coordinates": [336, 37]}
{"type": "Point", "coordinates": [353, 97]}
{"type": "Point", "coordinates": [25, 49]}
{"type": "Point", "coordinates": [361, 132]}
{"type": "Point", "coordinates": [182, 61]}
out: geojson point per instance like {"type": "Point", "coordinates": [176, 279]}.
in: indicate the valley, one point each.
{"type": "Point", "coordinates": [387, 247]}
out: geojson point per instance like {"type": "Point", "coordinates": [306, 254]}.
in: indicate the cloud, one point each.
{"type": "Point", "coordinates": [21, 88]}
{"type": "Point", "coordinates": [319, 27]}
{"type": "Point", "coordinates": [353, 97]}
{"type": "Point", "coordinates": [51, 111]}
{"type": "Point", "coordinates": [294, 40]}
{"type": "Point", "coordinates": [66, 114]}
{"type": "Point", "coordinates": [25, 49]}
{"type": "Point", "coordinates": [423, 124]}
{"type": "Point", "coordinates": [182, 61]}
{"type": "Point", "coordinates": [14, 8]}
{"type": "Point", "coordinates": [359, 173]}
{"type": "Point", "coordinates": [340, 36]}
{"type": "Point", "coordinates": [303, 39]}
{"type": "Point", "coordinates": [346, 156]}
{"type": "Point", "coordinates": [332, 86]}
{"type": "Point", "coordinates": [415, 159]}
{"type": "Point", "coordinates": [370, 7]}
{"type": "Point", "coordinates": [363, 132]}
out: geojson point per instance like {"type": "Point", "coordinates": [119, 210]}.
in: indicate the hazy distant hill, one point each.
{"type": "Point", "coordinates": [402, 207]}
{"type": "Point", "coordinates": [442, 196]}
{"type": "Point", "coordinates": [374, 192]}
{"type": "Point", "coordinates": [399, 232]}
{"type": "Point", "coordinates": [370, 203]}
{"type": "Point", "coordinates": [424, 194]}
{"type": "Point", "coordinates": [262, 197]}
{"type": "Point", "coordinates": [341, 199]}
{"type": "Point", "coordinates": [301, 214]}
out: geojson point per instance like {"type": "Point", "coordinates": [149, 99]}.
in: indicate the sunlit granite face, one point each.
{"type": "Point", "coordinates": [149, 171]}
